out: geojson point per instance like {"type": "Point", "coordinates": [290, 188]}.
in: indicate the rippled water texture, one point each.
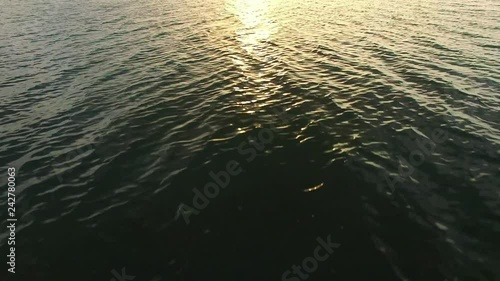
{"type": "Point", "coordinates": [375, 122]}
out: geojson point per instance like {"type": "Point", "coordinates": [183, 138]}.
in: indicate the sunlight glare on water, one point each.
{"type": "Point", "coordinates": [118, 114]}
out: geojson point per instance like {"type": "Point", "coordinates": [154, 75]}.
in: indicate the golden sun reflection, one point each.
{"type": "Point", "coordinates": [255, 24]}
{"type": "Point", "coordinates": [254, 56]}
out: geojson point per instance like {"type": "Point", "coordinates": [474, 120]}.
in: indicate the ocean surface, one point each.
{"type": "Point", "coordinates": [229, 139]}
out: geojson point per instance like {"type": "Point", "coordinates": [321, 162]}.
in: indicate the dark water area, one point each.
{"type": "Point", "coordinates": [251, 140]}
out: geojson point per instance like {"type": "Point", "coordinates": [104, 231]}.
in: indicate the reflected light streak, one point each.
{"type": "Point", "coordinates": [252, 31]}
